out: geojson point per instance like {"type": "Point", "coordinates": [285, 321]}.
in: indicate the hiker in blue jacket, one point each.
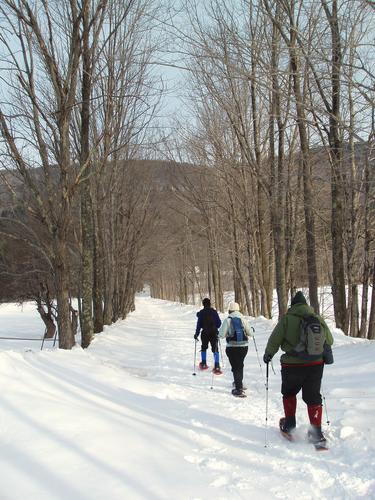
{"type": "Point", "coordinates": [208, 323]}
{"type": "Point", "coordinates": [236, 330]}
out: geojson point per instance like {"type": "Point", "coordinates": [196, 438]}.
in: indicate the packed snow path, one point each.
{"type": "Point", "coordinates": [126, 420]}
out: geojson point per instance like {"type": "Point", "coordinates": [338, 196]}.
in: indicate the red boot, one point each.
{"type": "Point", "coordinates": [315, 434]}
{"type": "Point", "coordinates": [290, 405]}
{"type": "Point", "coordinates": [315, 414]}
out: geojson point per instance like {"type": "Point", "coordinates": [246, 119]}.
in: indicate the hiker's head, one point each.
{"type": "Point", "coordinates": [299, 298]}
{"type": "Point", "coordinates": [206, 302]}
{"type": "Point", "coordinates": [233, 306]}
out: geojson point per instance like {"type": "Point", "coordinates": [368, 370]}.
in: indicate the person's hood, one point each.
{"type": "Point", "coordinates": [235, 314]}
{"type": "Point", "coordinates": [300, 310]}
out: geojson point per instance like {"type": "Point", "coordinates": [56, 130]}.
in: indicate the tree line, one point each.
{"type": "Point", "coordinates": [268, 182]}
{"type": "Point", "coordinates": [78, 97]}
{"type": "Point", "coordinates": [281, 97]}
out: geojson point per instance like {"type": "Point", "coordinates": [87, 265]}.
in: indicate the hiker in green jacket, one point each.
{"type": "Point", "coordinates": [302, 363]}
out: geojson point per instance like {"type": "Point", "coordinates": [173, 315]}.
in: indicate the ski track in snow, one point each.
{"type": "Point", "coordinates": [126, 419]}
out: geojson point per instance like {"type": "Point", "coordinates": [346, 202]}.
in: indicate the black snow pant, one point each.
{"type": "Point", "coordinates": [209, 338]}
{"type": "Point", "coordinates": [236, 356]}
{"type": "Point", "coordinates": [307, 378]}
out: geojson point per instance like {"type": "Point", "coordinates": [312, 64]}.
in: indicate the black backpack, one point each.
{"type": "Point", "coordinates": [312, 338]}
{"type": "Point", "coordinates": [208, 322]}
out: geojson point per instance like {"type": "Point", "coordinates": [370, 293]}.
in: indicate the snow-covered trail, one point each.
{"type": "Point", "coordinates": [126, 420]}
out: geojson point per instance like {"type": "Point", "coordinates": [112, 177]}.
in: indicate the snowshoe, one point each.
{"type": "Point", "coordinates": [286, 427]}
{"type": "Point", "coordinates": [217, 371]}
{"type": "Point", "coordinates": [321, 446]}
{"type": "Point", "coordinates": [238, 393]}
{"type": "Point", "coordinates": [203, 366]}
{"type": "Point", "coordinates": [316, 437]}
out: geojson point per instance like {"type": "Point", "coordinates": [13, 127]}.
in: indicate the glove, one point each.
{"type": "Point", "coordinates": [267, 358]}
{"type": "Point", "coordinates": [196, 336]}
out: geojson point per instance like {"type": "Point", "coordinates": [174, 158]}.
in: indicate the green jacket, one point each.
{"type": "Point", "coordinates": [286, 333]}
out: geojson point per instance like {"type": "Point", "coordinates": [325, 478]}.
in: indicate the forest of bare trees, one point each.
{"type": "Point", "coordinates": [78, 95]}
{"type": "Point", "coordinates": [281, 96]}
{"type": "Point", "coordinates": [266, 180]}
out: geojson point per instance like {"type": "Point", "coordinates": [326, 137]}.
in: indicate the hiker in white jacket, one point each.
{"type": "Point", "coordinates": [236, 330]}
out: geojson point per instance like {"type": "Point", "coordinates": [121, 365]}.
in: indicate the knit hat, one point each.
{"type": "Point", "coordinates": [233, 306]}
{"type": "Point", "coordinates": [299, 298]}
{"type": "Point", "coordinates": [206, 302]}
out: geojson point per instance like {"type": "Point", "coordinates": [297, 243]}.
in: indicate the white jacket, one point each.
{"type": "Point", "coordinates": [226, 330]}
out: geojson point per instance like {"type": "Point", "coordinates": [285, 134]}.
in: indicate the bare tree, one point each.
{"type": "Point", "coordinates": [42, 56]}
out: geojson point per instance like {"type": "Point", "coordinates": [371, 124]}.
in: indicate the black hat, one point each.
{"type": "Point", "coordinates": [206, 302]}
{"type": "Point", "coordinates": [299, 298]}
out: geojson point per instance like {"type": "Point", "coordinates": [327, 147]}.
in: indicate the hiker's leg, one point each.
{"type": "Point", "coordinates": [311, 393]}
{"type": "Point", "coordinates": [239, 373]}
{"type": "Point", "coordinates": [215, 349]}
{"type": "Point", "coordinates": [237, 357]}
{"type": "Point", "coordinates": [204, 346]}
{"type": "Point", "coordinates": [311, 385]}
{"type": "Point", "coordinates": [291, 383]}
{"type": "Point", "coordinates": [231, 356]}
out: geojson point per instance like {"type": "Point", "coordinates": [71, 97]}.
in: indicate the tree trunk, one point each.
{"type": "Point", "coordinates": [109, 249]}
{"type": "Point", "coordinates": [209, 277]}
{"type": "Point", "coordinates": [337, 222]}
{"type": "Point", "coordinates": [371, 323]}
{"type": "Point", "coordinates": [263, 236]}
{"type": "Point", "coordinates": [98, 288]}
{"type": "Point", "coordinates": [66, 337]}
{"type": "Point", "coordinates": [47, 319]}
{"type": "Point", "coordinates": [306, 172]}
{"type": "Point", "coordinates": [277, 184]}
{"type": "Point", "coordinates": [97, 293]}
{"type": "Point", "coordinates": [87, 326]}
{"type": "Point", "coordinates": [354, 315]}
{"type": "Point", "coordinates": [366, 254]}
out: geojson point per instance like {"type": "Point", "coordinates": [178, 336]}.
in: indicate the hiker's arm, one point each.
{"type": "Point", "coordinates": [247, 328]}
{"type": "Point", "coordinates": [217, 320]}
{"type": "Point", "coordinates": [329, 336]}
{"type": "Point", "coordinates": [223, 330]}
{"type": "Point", "coordinates": [199, 325]}
{"type": "Point", "coordinates": [276, 338]}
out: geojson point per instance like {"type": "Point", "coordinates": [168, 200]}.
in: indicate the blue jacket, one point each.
{"type": "Point", "coordinates": [201, 314]}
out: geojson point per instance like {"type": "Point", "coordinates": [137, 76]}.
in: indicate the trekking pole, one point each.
{"type": "Point", "coordinates": [266, 426]}
{"type": "Point", "coordinates": [325, 406]}
{"type": "Point", "coordinates": [195, 354]}
{"type": "Point", "coordinates": [257, 353]}
{"type": "Point", "coordinates": [212, 380]}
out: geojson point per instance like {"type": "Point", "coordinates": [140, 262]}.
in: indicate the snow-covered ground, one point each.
{"type": "Point", "coordinates": [126, 420]}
